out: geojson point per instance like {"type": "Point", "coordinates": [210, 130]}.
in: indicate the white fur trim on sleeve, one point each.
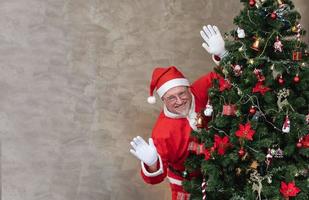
{"type": "Point", "coordinates": [153, 174]}
{"type": "Point", "coordinates": [217, 62]}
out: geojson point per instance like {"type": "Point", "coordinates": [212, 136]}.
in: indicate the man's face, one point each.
{"type": "Point", "coordinates": [178, 100]}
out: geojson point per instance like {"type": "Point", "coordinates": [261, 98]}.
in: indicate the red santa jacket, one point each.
{"type": "Point", "coordinates": [171, 135]}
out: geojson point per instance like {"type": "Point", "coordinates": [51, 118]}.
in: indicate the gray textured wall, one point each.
{"type": "Point", "coordinates": [74, 82]}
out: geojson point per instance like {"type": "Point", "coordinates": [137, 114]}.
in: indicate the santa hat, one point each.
{"type": "Point", "coordinates": [164, 79]}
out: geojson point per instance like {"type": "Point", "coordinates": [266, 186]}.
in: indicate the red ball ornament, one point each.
{"type": "Point", "coordinates": [273, 15]}
{"type": "Point", "coordinates": [281, 80]}
{"type": "Point", "coordinates": [241, 152]}
{"type": "Point", "coordinates": [252, 3]}
{"type": "Point", "coordinates": [296, 79]}
{"type": "Point", "coordinates": [252, 110]}
{"type": "Point", "coordinates": [299, 145]}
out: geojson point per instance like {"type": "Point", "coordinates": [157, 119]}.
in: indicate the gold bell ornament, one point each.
{"type": "Point", "coordinates": [200, 120]}
{"type": "Point", "coordinates": [255, 46]}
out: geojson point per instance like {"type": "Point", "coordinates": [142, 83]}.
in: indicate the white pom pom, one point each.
{"type": "Point", "coordinates": [151, 99]}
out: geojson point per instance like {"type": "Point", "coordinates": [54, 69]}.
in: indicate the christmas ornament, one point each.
{"type": "Point", "coordinates": [252, 110]}
{"type": "Point", "coordinates": [237, 70]}
{"type": "Point", "coordinates": [254, 164]}
{"type": "Point", "coordinates": [229, 109]}
{"type": "Point", "coordinates": [252, 3]}
{"type": "Point", "coordinates": [273, 15]}
{"type": "Point", "coordinates": [278, 45]}
{"type": "Point", "coordinates": [289, 189]}
{"type": "Point", "coordinates": [257, 185]}
{"type": "Point", "coordinates": [296, 79]}
{"type": "Point", "coordinates": [221, 144]}
{"type": "Point", "coordinates": [282, 101]}
{"type": "Point", "coordinates": [286, 125]}
{"type": "Point", "coordinates": [199, 149]}
{"type": "Point", "coordinates": [256, 44]}
{"type": "Point", "coordinates": [294, 29]}
{"type": "Point", "coordinates": [298, 30]}
{"type": "Point", "coordinates": [245, 131]}
{"type": "Point", "coordinates": [241, 33]}
{"type": "Point", "coordinates": [296, 55]}
{"type": "Point", "coordinates": [204, 185]}
{"type": "Point", "coordinates": [281, 80]}
{"type": "Point", "coordinates": [208, 110]}
{"type": "Point", "coordinates": [200, 120]}
{"type": "Point", "coordinates": [259, 87]}
{"type": "Point", "coordinates": [259, 75]}
{"type": "Point", "coordinates": [278, 153]}
{"type": "Point", "coordinates": [241, 152]}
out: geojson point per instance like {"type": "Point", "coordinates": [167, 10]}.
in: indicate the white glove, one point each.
{"type": "Point", "coordinates": [146, 153]}
{"type": "Point", "coordinates": [214, 43]}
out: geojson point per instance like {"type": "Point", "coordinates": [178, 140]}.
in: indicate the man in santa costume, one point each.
{"type": "Point", "coordinates": [167, 149]}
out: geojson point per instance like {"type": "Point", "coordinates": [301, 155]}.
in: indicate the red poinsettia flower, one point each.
{"type": "Point", "coordinates": [259, 87]}
{"type": "Point", "coordinates": [289, 190]}
{"type": "Point", "coordinates": [224, 84]}
{"type": "Point", "coordinates": [221, 143]}
{"type": "Point", "coordinates": [245, 131]}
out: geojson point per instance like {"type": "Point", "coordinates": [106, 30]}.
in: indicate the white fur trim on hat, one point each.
{"type": "Point", "coordinates": [170, 84]}
{"type": "Point", "coordinates": [151, 100]}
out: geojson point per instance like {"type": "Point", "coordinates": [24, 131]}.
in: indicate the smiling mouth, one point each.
{"type": "Point", "coordinates": [182, 105]}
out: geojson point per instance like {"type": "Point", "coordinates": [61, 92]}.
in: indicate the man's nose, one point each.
{"type": "Point", "coordinates": [178, 100]}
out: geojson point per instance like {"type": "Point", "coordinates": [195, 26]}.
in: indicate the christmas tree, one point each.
{"type": "Point", "coordinates": [256, 145]}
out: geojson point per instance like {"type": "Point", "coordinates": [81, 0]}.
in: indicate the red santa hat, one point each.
{"type": "Point", "coordinates": [164, 79]}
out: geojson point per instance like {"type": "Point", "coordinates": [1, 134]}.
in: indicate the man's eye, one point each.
{"type": "Point", "coordinates": [171, 98]}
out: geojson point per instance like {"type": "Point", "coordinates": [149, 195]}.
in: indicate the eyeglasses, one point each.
{"type": "Point", "coordinates": [173, 98]}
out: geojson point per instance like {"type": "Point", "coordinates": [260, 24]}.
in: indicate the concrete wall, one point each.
{"type": "Point", "coordinates": [74, 82]}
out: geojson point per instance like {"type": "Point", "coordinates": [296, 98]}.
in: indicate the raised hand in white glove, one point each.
{"type": "Point", "coordinates": [214, 43]}
{"type": "Point", "coordinates": [146, 153]}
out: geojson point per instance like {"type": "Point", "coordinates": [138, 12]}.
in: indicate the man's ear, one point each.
{"type": "Point", "coordinates": [189, 89]}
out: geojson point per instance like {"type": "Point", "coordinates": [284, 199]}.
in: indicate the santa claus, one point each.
{"type": "Point", "coordinates": [167, 149]}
